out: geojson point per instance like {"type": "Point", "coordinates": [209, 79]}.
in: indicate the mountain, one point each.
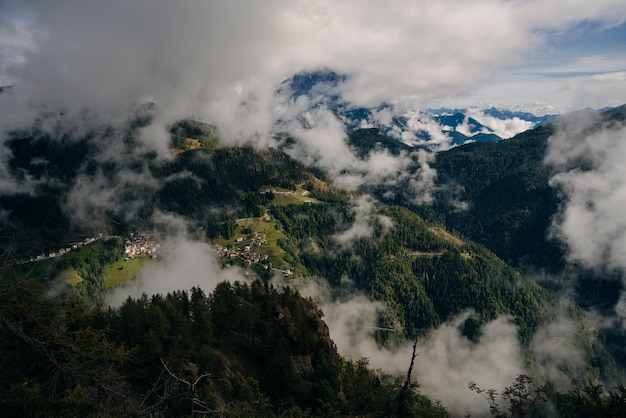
{"type": "Point", "coordinates": [502, 196]}
{"type": "Point", "coordinates": [438, 129]}
{"type": "Point", "coordinates": [509, 114]}
{"type": "Point", "coordinates": [253, 348]}
{"type": "Point", "coordinates": [509, 202]}
{"type": "Point", "coordinates": [509, 180]}
{"type": "Point", "coordinates": [249, 183]}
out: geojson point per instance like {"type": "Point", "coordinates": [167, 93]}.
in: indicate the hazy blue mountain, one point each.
{"type": "Point", "coordinates": [509, 114]}
{"type": "Point", "coordinates": [458, 126]}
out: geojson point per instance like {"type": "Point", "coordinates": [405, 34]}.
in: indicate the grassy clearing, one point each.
{"type": "Point", "coordinates": [121, 272]}
{"type": "Point", "coordinates": [284, 197]}
{"type": "Point", "coordinates": [71, 277]}
{"type": "Point", "coordinates": [246, 228]}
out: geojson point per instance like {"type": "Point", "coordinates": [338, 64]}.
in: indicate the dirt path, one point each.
{"type": "Point", "coordinates": [442, 233]}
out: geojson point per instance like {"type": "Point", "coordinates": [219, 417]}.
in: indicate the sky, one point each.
{"type": "Point", "coordinates": [583, 66]}
{"type": "Point", "coordinates": [542, 56]}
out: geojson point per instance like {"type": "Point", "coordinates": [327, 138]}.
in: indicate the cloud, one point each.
{"type": "Point", "coordinates": [423, 184]}
{"type": "Point", "coordinates": [365, 215]}
{"type": "Point", "coordinates": [549, 94]}
{"type": "Point", "coordinates": [206, 57]}
{"type": "Point", "coordinates": [184, 263]}
{"type": "Point", "coordinates": [412, 130]}
{"type": "Point", "coordinates": [16, 40]}
{"type": "Point", "coordinates": [596, 91]}
{"type": "Point", "coordinates": [9, 182]}
{"type": "Point", "coordinates": [504, 128]}
{"type": "Point", "coordinates": [221, 62]}
{"type": "Point", "coordinates": [588, 157]}
{"type": "Point", "coordinates": [591, 175]}
{"type": "Point", "coordinates": [446, 360]}
{"type": "Point", "coordinates": [321, 141]}
{"type": "Point", "coordinates": [557, 357]}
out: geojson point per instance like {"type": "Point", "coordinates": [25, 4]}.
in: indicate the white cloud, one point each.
{"type": "Point", "coordinates": [446, 362]}
{"type": "Point", "coordinates": [206, 56]}
{"type": "Point", "coordinates": [589, 156]}
{"type": "Point", "coordinates": [322, 141]}
{"type": "Point", "coordinates": [555, 352]}
{"type": "Point", "coordinates": [365, 215]}
{"type": "Point", "coordinates": [16, 40]}
{"type": "Point", "coordinates": [548, 95]}
{"type": "Point", "coordinates": [596, 91]}
{"type": "Point", "coordinates": [416, 124]}
{"type": "Point", "coordinates": [184, 263]}
{"type": "Point", "coordinates": [506, 128]}
{"type": "Point", "coordinates": [592, 178]}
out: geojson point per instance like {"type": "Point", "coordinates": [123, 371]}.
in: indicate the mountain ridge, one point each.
{"type": "Point", "coordinates": [454, 127]}
{"type": "Point", "coordinates": [393, 254]}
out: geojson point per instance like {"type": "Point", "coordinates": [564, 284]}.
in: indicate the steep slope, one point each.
{"type": "Point", "coordinates": [243, 350]}
{"type": "Point", "coordinates": [510, 202]}
{"type": "Point", "coordinates": [424, 274]}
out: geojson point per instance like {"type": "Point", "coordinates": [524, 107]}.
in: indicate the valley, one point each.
{"type": "Point", "coordinates": [306, 209]}
{"type": "Point", "coordinates": [256, 228]}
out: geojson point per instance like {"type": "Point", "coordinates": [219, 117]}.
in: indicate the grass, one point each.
{"type": "Point", "coordinates": [121, 272]}
{"type": "Point", "coordinates": [71, 277]}
{"type": "Point", "coordinates": [62, 268]}
{"type": "Point", "coordinates": [247, 227]}
{"type": "Point", "coordinates": [284, 197]}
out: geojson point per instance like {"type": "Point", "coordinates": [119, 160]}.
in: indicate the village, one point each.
{"type": "Point", "coordinates": [136, 245]}
{"type": "Point", "coordinates": [140, 245]}
{"type": "Point", "coordinates": [70, 247]}
{"type": "Point", "coordinates": [242, 250]}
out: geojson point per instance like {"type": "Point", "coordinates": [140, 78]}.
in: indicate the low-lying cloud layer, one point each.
{"type": "Point", "coordinates": [588, 155]}
{"type": "Point", "coordinates": [447, 361]}
{"type": "Point", "coordinates": [365, 216]}
{"type": "Point", "coordinates": [184, 263]}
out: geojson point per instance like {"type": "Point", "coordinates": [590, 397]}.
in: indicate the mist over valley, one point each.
{"type": "Point", "coordinates": [312, 209]}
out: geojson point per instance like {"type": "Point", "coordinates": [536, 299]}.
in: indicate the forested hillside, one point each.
{"type": "Point", "coordinates": [243, 350]}
{"type": "Point", "coordinates": [252, 349]}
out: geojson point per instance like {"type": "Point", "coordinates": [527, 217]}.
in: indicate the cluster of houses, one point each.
{"type": "Point", "coordinates": [62, 251]}
{"type": "Point", "coordinates": [70, 247]}
{"type": "Point", "coordinates": [242, 250]}
{"type": "Point", "coordinates": [137, 245]}
{"type": "Point", "coordinates": [140, 245]}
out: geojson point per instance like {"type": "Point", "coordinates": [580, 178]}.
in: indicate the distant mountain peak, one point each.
{"type": "Point", "coordinates": [437, 128]}
{"type": "Point", "coordinates": [304, 83]}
